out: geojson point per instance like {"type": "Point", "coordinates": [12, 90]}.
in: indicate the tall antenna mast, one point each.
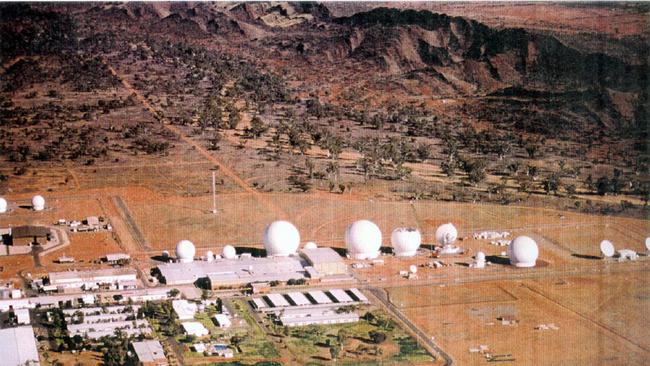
{"type": "Point", "coordinates": [214, 192]}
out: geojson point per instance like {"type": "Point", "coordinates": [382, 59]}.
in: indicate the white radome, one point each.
{"type": "Point", "coordinates": [165, 254]}
{"type": "Point", "coordinates": [523, 252]}
{"type": "Point", "coordinates": [405, 241]}
{"type": "Point", "coordinates": [480, 257]}
{"type": "Point", "coordinates": [229, 252]}
{"type": "Point", "coordinates": [185, 251]}
{"type": "Point", "coordinates": [363, 240]}
{"type": "Point", "coordinates": [38, 203]}
{"type": "Point", "coordinates": [209, 256]}
{"type": "Point", "coordinates": [3, 205]}
{"type": "Point", "coordinates": [281, 239]}
{"type": "Point", "coordinates": [310, 245]}
{"type": "Point", "coordinates": [413, 268]}
{"type": "Point", "coordinates": [446, 234]}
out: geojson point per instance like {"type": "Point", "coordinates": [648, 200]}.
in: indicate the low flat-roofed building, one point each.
{"type": "Point", "coordinates": [222, 321]}
{"type": "Point", "coordinates": [117, 257]}
{"type": "Point", "coordinates": [260, 287]}
{"type": "Point", "coordinates": [195, 328]}
{"type": "Point", "coordinates": [325, 261]}
{"type": "Point", "coordinates": [259, 303]}
{"type": "Point", "coordinates": [22, 316]}
{"type": "Point", "coordinates": [237, 272]}
{"type": "Point", "coordinates": [340, 296]}
{"type": "Point", "coordinates": [301, 317]}
{"type": "Point", "coordinates": [149, 353]}
{"type": "Point", "coordinates": [320, 297]}
{"type": "Point", "coordinates": [359, 295]}
{"type": "Point", "coordinates": [27, 234]}
{"type": "Point", "coordinates": [184, 309]}
{"type": "Point", "coordinates": [298, 298]}
{"type": "Point", "coordinates": [18, 347]}
{"type": "Point", "coordinates": [277, 300]}
{"type": "Point", "coordinates": [112, 278]}
{"type": "Point", "coordinates": [92, 221]}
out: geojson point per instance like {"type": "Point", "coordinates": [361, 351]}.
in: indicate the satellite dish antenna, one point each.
{"type": "Point", "coordinates": [607, 248]}
{"type": "Point", "coordinates": [647, 244]}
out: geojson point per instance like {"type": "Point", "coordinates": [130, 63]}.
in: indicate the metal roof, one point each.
{"type": "Point", "coordinates": [241, 270]}
{"type": "Point", "coordinates": [320, 297]}
{"type": "Point", "coordinates": [322, 255]}
{"type": "Point", "coordinates": [277, 300]}
{"type": "Point", "coordinates": [18, 347]}
{"type": "Point", "coordinates": [340, 295]}
{"type": "Point", "coordinates": [149, 351]}
{"type": "Point", "coordinates": [359, 294]}
{"type": "Point", "coordinates": [299, 299]}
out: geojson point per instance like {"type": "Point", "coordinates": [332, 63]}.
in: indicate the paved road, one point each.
{"type": "Point", "coordinates": [427, 341]}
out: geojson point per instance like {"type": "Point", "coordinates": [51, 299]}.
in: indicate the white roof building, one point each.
{"type": "Point", "coordinates": [22, 316]}
{"type": "Point", "coordinates": [299, 299]}
{"type": "Point", "coordinates": [341, 296]}
{"type": "Point", "coordinates": [301, 317]}
{"type": "Point", "coordinates": [320, 297]}
{"type": "Point", "coordinates": [195, 328]}
{"type": "Point", "coordinates": [150, 353]}
{"type": "Point", "coordinates": [240, 271]}
{"type": "Point", "coordinates": [18, 347]}
{"type": "Point", "coordinates": [184, 309]}
{"type": "Point", "coordinates": [277, 300]}
{"type": "Point", "coordinates": [222, 321]}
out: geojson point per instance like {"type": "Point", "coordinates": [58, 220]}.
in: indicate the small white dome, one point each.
{"type": "Point", "coordinates": [523, 252]}
{"type": "Point", "coordinates": [446, 234]}
{"type": "Point", "coordinates": [413, 268]}
{"type": "Point", "coordinates": [405, 241]}
{"type": "Point", "coordinates": [185, 251]}
{"type": "Point", "coordinates": [281, 238]}
{"type": "Point", "coordinates": [3, 205]}
{"type": "Point", "coordinates": [209, 256]}
{"type": "Point", "coordinates": [480, 257]}
{"type": "Point", "coordinates": [38, 203]}
{"type": "Point", "coordinates": [165, 254]}
{"type": "Point", "coordinates": [229, 252]}
{"type": "Point", "coordinates": [363, 240]}
{"type": "Point", "coordinates": [310, 245]}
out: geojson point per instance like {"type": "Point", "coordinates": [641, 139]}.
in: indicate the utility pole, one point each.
{"type": "Point", "coordinates": [214, 192]}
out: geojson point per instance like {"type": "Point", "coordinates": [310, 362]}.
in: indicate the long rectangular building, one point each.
{"type": "Point", "coordinates": [301, 317]}
{"type": "Point", "coordinates": [234, 272]}
{"type": "Point", "coordinates": [320, 297]}
{"type": "Point", "coordinates": [18, 347]}
{"type": "Point", "coordinates": [111, 279]}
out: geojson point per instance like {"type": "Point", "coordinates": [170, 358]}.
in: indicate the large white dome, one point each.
{"type": "Point", "coordinates": [229, 252]}
{"type": "Point", "coordinates": [185, 251]}
{"type": "Point", "coordinates": [3, 205]}
{"type": "Point", "coordinates": [38, 203]}
{"type": "Point", "coordinates": [405, 241]}
{"type": "Point", "coordinates": [523, 252]}
{"type": "Point", "coordinates": [363, 240]}
{"type": "Point", "coordinates": [281, 238]}
{"type": "Point", "coordinates": [446, 234]}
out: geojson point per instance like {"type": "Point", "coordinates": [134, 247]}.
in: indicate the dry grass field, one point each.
{"type": "Point", "coordinates": [461, 317]}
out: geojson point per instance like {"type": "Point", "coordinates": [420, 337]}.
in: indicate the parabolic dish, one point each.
{"type": "Point", "coordinates": [607, 248]}
{"type": "Point", "coordinates": [647, 243]}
